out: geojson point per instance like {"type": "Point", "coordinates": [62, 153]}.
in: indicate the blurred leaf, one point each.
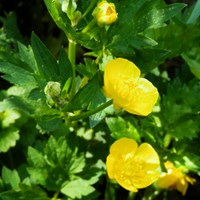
{"type": "Point", "coordinates": [10, 27]}
{"type": "Point", "coordinates": [8, 138]}
{"type": "Point", "coordinates": [9, 117]}
{"type": "Point", "coordinates": [18, 103]}
{"type": "Point", "coordinates": [77, 188]}
{"type": "Point", "coordinates": [192, 58]}
{"type": "Point", "coordinates": [25, 193]}
{"type": "Point", "coordinates": [189, 151]}
{"type": "Point", "coordinates": [120, 127]}
{"type": "Point", "coordinates": [11, 178]}
{"type": "Point", "coordinates": [180, 111]}
{"type": "Point", "coordinates": [195, 13]}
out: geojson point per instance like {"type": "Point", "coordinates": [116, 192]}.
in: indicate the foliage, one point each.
{"type": "Point", "coordinates": [56, 123]}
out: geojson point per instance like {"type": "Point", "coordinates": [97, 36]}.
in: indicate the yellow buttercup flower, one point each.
{"type": "Point", "coordinates": [131, 166]}
{"type": "Point", "coordinates": [174, 178]}
{"type": "Point", "coordinates": [105, 13]}
{"type": "Point", "coordinates": [123, 84]}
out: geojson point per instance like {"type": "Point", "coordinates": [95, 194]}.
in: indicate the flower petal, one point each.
{"type": "Point", "coordinates": [149, 162]}
{"type": "Point", "coordinates": [116, 70]}
{"type": "Point", "coordinates": [124, 146]}
{"type": "Point", "coordinates": [145, 95]}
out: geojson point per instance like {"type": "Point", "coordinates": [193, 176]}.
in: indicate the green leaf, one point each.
{"type": "Point", "coordinates": [46, 63]}
{"type": "Point", "coordinates": [9, 117]}
{"type": "Point", "coordinates": [120, 127]}
{"type": "Point", "coordinates": [65, 69]}
{"type": "Point", "coordinates": [60, 18]}
{"type": "Point", "coordinates": [18, 103]}
{"type": "Point", "coordinates": [99, 99]}
{"type": "Point", "coordinates": [25, 193]}
{"type": "Point", "coordinates": [11, 178]}
{"type": "Point", "coordinates": [49, 122]}
{"type": "Point", "coordinates": [142, 15]}
{"type": "Point", "coordinates": [77, 188]}
{"type": "Point", "coordinates": [57, 164]}
{"type": "Point", "coordinates": [195, 13]}
{"type": "Point", "coordinates": [17, 75]}
{"type": "Point", "coordinates": [10, 27]}
{"type": "Point", "coordinates": [8, 138]}
{"type": "Point", "coordinates": [189, 151]}
{"type": "Point", "coordinates": [36, 158]}
{"type": "Point", "coordinates": [26, 55]}
{"type": "Point", "coordinates": [84, 96]}
{"type": "Point", "coordinates": [192, 58]}
{"type": "Point", "coordinates": [180, 112]}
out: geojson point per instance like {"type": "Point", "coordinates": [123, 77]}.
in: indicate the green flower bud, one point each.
{"type": "Point", "coordinates": [52, 89]}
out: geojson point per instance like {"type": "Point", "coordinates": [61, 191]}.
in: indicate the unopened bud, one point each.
{"type": "Point", "coordinates": [52, 89]}
{"type": "Point", "coordinates": [105, 13]}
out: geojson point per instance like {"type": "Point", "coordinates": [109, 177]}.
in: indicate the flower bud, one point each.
{"type": "Point", "coordinates": [105, 13]}
{"type": "Point", "coordinates": [52, 89]}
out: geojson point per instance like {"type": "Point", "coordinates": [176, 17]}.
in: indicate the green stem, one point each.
{"type": "Point", "coordinates": [72, 58]}
{"type": "Point", "coordinates": [91, 112]}
{"type": "Point", "coordinates": [89, 26]}
{"type": "Point", "coordinates": [131, 196]}
{"type": "Point", "coordinates": [55, 196]}
{"type": "Point", "coordinates": [91, 5]}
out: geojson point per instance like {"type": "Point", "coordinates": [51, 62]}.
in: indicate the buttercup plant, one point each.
{"type": "Point", "coordinates": [97, 99]}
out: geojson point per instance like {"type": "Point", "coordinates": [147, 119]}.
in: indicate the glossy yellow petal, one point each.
{"type": "Point", "coordinates": [167, 181]}
{"type": "Point", "coordinates": [121, 149]}
{"type": "Point", "coordinates": [182, 186]}
{"type": "Point", "coordinates": [147, 154]}
{"type": "Point", "coordinates": [174, 178]}
{"type": "Point", "coordinates": [144, 97]}
{"type": "Point", "coordinates": [128, 91]}
{"type": "Point", "coordinates": [149, 163]}
{"type": "Point", "coordinates": [124, 146]}
{"type": "Point", "coordinates": [131, 166]}
{"type": "Point", "coordinates": [116, 73]}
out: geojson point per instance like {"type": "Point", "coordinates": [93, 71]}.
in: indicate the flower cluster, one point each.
{"type": "Point", "coordinates": [105, 13]}
{"type": "Point", "coordinates": [123, 84]}
{"type": "Point", "coordinates": [131, 166]}
{"type": "Point", "coordinates": [174, 178]}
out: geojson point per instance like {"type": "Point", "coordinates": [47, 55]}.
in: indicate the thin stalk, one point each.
{"type": "Point", "coordinates": [55, 196]}
{"type": "Point", "coordinates": [131, 196]}
{"type": "Point", "coordinates": [72, 58]}
{"type": "Point", "coordinates": [89, 27]}
{"type": "Point", "coordinates": [91, 112]}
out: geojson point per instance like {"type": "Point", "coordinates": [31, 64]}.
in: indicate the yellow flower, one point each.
{"type": "Point", "coordinates": [105, 13]}
{"type": "Point", "coordinates": [123, 84]}
{"type": "Point", "coordinates": [174, 178]}
{"type": "Point", "coordinates": [131, 166]}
